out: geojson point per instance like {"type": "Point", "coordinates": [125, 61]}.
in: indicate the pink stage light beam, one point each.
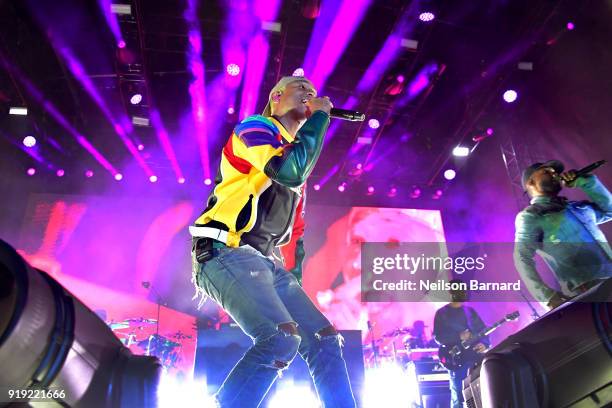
{"type": "Point", "coordinates": [57, 116]}
{"type": "Point", "coordinates": [111, 20]}
{"type": "Point", "coordinates": [197, 89]}
{"type": "Point", "coordinates": [164, 141]}
{"type": "Point", "coordinates": [81, 75]}
{"type": "Point", "coordinates": [349, 16]}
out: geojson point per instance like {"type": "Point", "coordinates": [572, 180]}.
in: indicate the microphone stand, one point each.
{"type": "Point", "coordinates": [159, 300]}
{"type": "Point", "coordinates": [534, 313]}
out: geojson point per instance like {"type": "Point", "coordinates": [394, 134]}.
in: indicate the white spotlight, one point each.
{"type": "Point", "coordinates": [18, 111]}
{"type": "Point", "coordinates": [461, 151]}
{"type": "Point", "coordinates": [29, 141]}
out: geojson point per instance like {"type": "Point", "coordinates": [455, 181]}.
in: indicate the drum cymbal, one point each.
{"type": "Point", "coordinates": [397, 332]}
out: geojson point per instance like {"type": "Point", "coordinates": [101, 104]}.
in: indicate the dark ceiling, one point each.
{"type": "Point", "coordinates": [477, 42]}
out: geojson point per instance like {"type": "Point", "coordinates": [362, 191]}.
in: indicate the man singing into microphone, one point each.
{"type": "Point", "coordinates": [564, 233]}
{"type": "Point", "coordinates": [257, 205]}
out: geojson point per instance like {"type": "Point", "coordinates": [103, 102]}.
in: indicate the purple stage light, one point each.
{"type": "Point", "coordinates": [121, 44]}
{"type": "Point", "coordinates": [118, 176]}
{"type": "Point", "coordinates": [197, 85]}
{"type": "Point", "coordinates": [88, 173]}
{"type": "Point", "coordinates": [60, 172]}
{"type": "Point", "coordinates": [31, 171]}
{"type": "Point", "coordinates": [570, 26]}
{"type": "Point", "coordinates": [427, 16]}
{"type": "Point", "coordinates": [181, 180]}
{"type": "Point", "coordinates": [437, 194]}
{"type": "Point", "coordinates": [140, 147]}
{"type": "Point", "coordinates": [490, 131]}
{"type": "Point", "coordinates": [299, 72]}
{"type": "Point", "coordinates": [510, 95]}
{"type": "Point", "coordinates": [231, 110]}
{"type": "Point", "coordinates": [332, 33]}
{"type": "Point", "coordinates": [392, 192]}
{"type": "Point", "coordinates": [207, 181]}
{"type": "Point", "coordinates": [373, 123]}
{"type": "Point", "coordinates": [342, 187]}
{"type": "Point", "coordinates": [401, 78]}
{"type": "Point", "coordinates": [136, 99]}
{"type": "Point", "coordinates": [153, 179]}
{"type": "Point", "coordinates": [233, 69]}
{"type": "Point", "coordinates": [450, 174]}
{"type": "Point", "coordinates": [415, 193]}
{"type": "Point", "coordinates": [370, 190]}
{"type": "Point", "coordinates": [317, 187]}
{"type": "Point", "coordinates": [29, 141]}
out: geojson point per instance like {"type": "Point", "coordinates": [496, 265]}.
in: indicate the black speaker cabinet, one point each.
{"type": "Point", "coordinates": [563, 359]}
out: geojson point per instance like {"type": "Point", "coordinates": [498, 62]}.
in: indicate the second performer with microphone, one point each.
{"type": "Point", "coordinates": [257, 205]}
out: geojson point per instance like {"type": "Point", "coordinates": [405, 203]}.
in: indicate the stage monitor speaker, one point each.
{"type": "Point", "coordinates": [563, 359]}
{"type": "Point", "coordinates": [219, 350]}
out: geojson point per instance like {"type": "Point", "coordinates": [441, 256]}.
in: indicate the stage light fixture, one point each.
{"type": "Point", "coordinates": [299, 72]}
{"type": "Point", "coordinates": [427, 16]}
{"type": "Point", "coordinates": [140, 121]}
{"type": "Point", "coordinates": [371, 190]}
{"type": "Point", "coordinates": [416, 192]}
{"type": "Point", "coordinates": [317, 187]}
{"type": "Point", "coordinates": [273, 26]}
{"type": "Point", "coordinates": [18, 111]}
{"type": "Point", "coordinates": [51, 341]}
{"type": "Point", "coordinates": [342, 187]}
{"type": "Point", "coordinates": [231, 110]}
{"type": "Point", "coordinates": [461, 151]}
{"type": "Point", "coordinates": [118, 176]}
{"type": "Point", "coordinates": [207, 181]}
{"type": "Point", "coordinates": [181, 180]}
{"type": "Point", "coordinates": [373, 123]}
{"type": "Point", "coordinates": [31, 171]}
{"type": "Point", "coordinates": [510, 95]}
{"type": "Point", "coordinates": [140, 147]}
{"type": "Point", "coordinates": [490, 131]}
{"type": "Point", "coordinates": [392, 192]}
{"type": "Point", "coordinates": [570, 26]}
{"type": "Point", "coordinates": [232, 69]}
{"type": "Point", "coordinates": [153, 179]}
{"type": "Point", "coordinates": [29, 141]}
{"type": "Point", "coordinates": [121, 44]}
{"type": "Point", "coordinates": [60, 172]}
{"type": "Point", "coordinates": [136, 99]}
{"type": "Point", "coordinates": [409, 43]}
{"type": "Point", "coordinates": [437, 194]}
{"type": "Point", "coordinates": [124, 9]}
{"type": "Point", "coordinates": [89, 173]}
{"type": "Point", "coordinates": [450, 174]}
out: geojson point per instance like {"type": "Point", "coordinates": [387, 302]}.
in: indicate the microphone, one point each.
{"type": "Point", "coordinates": [586, 170]}
{"type": "Point", "coordinates": [346, 114]}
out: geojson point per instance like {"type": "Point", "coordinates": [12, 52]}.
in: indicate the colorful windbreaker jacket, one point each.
{"type": "Point", "coordinates": [259, 187]}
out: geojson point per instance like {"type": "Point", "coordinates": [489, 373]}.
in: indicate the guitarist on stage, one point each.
{"type": "Point", "coordinates": [454, 323]}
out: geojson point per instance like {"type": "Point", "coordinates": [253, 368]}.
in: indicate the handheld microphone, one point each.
{"type": "Point", "coordinates": [346, 114]}
{"type": "Point", "coordinates": [586, 170]}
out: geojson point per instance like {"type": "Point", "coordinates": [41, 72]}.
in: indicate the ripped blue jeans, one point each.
{"type": "Point", "coordinates": [260, 297]}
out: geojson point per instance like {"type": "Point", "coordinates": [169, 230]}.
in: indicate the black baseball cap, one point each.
{"type": "Point", "coordinates": [528, 172]}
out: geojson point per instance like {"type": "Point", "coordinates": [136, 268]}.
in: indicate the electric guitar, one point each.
{"type": "Point", "coordinates": [460, 354]}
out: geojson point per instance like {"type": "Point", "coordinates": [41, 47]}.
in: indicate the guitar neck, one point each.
{"type": "Point", "coordinates": [487, 330]}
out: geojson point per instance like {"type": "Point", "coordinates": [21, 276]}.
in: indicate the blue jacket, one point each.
{"type": "Point", "coordinates": [565, 234]}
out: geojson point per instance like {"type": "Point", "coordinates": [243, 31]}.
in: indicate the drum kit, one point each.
{"type": "Point", "coordinates": [141, 336]}
{"type": "Point", "coordinates": [398, 346]}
